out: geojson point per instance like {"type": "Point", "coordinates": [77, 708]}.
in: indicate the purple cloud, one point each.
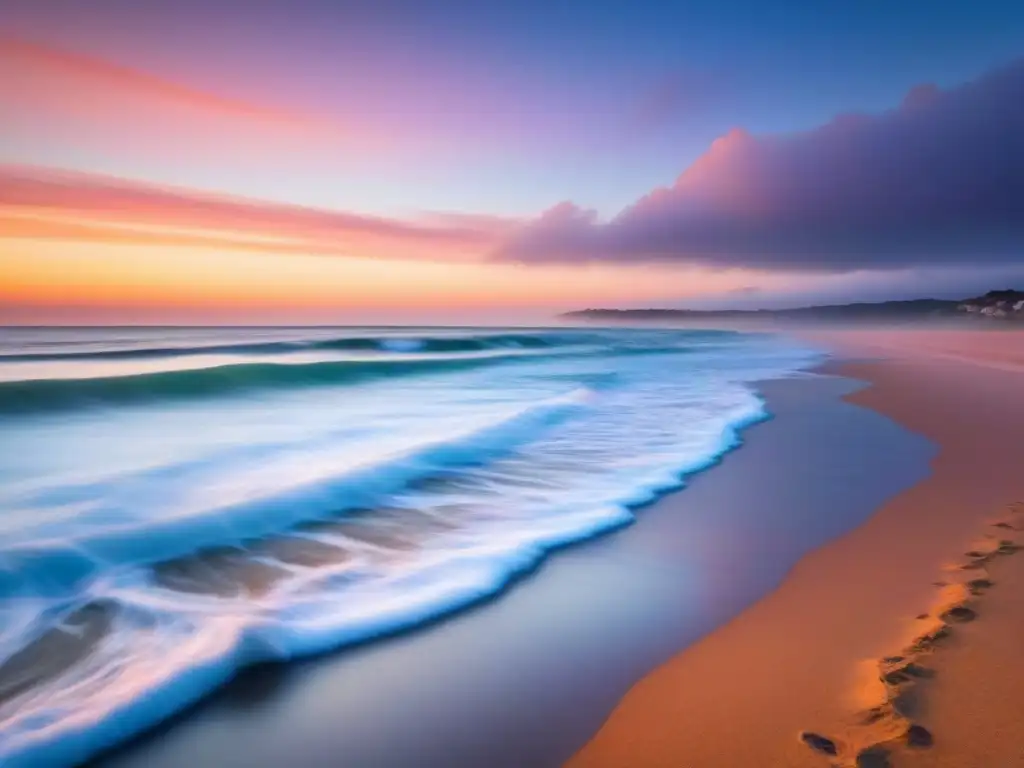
{"type": "Point", "coordinates": [937, 181]}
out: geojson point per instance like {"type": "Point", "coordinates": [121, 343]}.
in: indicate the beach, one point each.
{"type": "Point", "coordinates": [528, 678]}
{"type": "Point", "coordinates": [754, 604]}
{"type": "Point", "coordinates": [511, 385]}
{"type": "Point", "coordinates": [929, 580]}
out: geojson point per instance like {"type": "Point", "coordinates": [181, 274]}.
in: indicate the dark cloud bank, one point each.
{"type": "Point", "coordinates": [936, 182]}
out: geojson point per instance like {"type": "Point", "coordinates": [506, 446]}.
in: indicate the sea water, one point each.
{"type": "Point", "coordinates": [176, 503]}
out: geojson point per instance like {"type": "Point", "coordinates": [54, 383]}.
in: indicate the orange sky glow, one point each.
{"type": "Point", "coordinates": [91, 245]}
{"type": "Point", "coordinates": [100, 244]}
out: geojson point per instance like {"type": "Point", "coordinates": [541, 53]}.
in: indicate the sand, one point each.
{"type": "Point", "coordinates": [807, 660]}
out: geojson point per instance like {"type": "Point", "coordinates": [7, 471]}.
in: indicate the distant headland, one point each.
{"type": "Point", "coordinates": [997, 305]}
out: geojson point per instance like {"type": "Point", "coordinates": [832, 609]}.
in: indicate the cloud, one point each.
{"type": "Point", "coordinates": [400, 109]}
{"type": "Point", "coordinates": [45, 203]}
{"type": "Point", "coordinates": [31, 60]}
{"type": "Point", "coordinates": [937, 181]}
{"type": "Point", "coordinates": [56, 98]}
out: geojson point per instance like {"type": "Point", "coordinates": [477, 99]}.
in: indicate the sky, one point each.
{"type": "Point", "coordinates": [317, 161]}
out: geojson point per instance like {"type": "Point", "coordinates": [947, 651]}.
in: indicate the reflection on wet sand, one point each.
{"type": "Point", "coordinates": [224, 572]}
{"type": "Point", "coordinates": [55, 651]}
{"type": "Point", "coordinates": [368, 537]}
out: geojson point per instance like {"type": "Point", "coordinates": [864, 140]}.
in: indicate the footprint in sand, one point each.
{"type": "Point", "coordinates": [819, 743]}
{"type": "Point", "coordinates": [887, 726]}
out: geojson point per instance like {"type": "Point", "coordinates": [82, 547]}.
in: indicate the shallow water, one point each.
{"type": "Point", "coordinates": [178, 503]}
{"type": "Point", "coordinates": [527, 678]}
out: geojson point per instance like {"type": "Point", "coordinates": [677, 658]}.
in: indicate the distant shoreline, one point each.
{"type": "Point", "coordinates": [1005, 305]}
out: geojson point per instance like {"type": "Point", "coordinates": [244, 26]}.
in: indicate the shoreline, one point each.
{"type": "Point", "coordinates": [794, 663]}
{"type": "Point", "coordinates": [591, 621]}
{"type": "Point", "coordinates": [467, 492]}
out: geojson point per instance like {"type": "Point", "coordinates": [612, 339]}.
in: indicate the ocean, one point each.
{"type": "Point", "coordinates": [176, 503]}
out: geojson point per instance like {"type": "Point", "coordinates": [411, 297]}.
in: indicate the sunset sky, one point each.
{"type": "Point", "coordinates": [294, 161]}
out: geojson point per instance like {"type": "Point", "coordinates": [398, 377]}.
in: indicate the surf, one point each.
{"type": "Point", "coordinates": [204, 520]}
{"type": "Point", "coordinates": [206, 379]}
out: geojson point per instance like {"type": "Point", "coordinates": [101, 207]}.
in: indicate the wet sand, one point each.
{"type": "Point", "coordinates": [896, 644]}
{"type": "Point", "coordinates": [54, 652]}
{"type": "Point", "coordinates": [525, 679]}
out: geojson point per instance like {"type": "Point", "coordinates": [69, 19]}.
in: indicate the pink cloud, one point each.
{"type": "Point", "coordinates": [33, 61]}
{"type": "Point", "coordinates": [40, 202]}
{"type": "Point", "coordinates": [938, 180]}
{"type": "Point", "coordinates": [54, 97]}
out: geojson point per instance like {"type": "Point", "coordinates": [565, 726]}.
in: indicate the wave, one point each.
{"type": "Point", "coordinates": [54, 556]}
{"type": "Point", "coordinates": [38, 392]}
{"type": "Point", "coordinates": [147, 555]}
{"type": "Point", "coordinates": [386, 343]}
{"type": "Point", "coordinates": [151, 650]}
{"type": "Point", "coordinates": [32, 396]}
